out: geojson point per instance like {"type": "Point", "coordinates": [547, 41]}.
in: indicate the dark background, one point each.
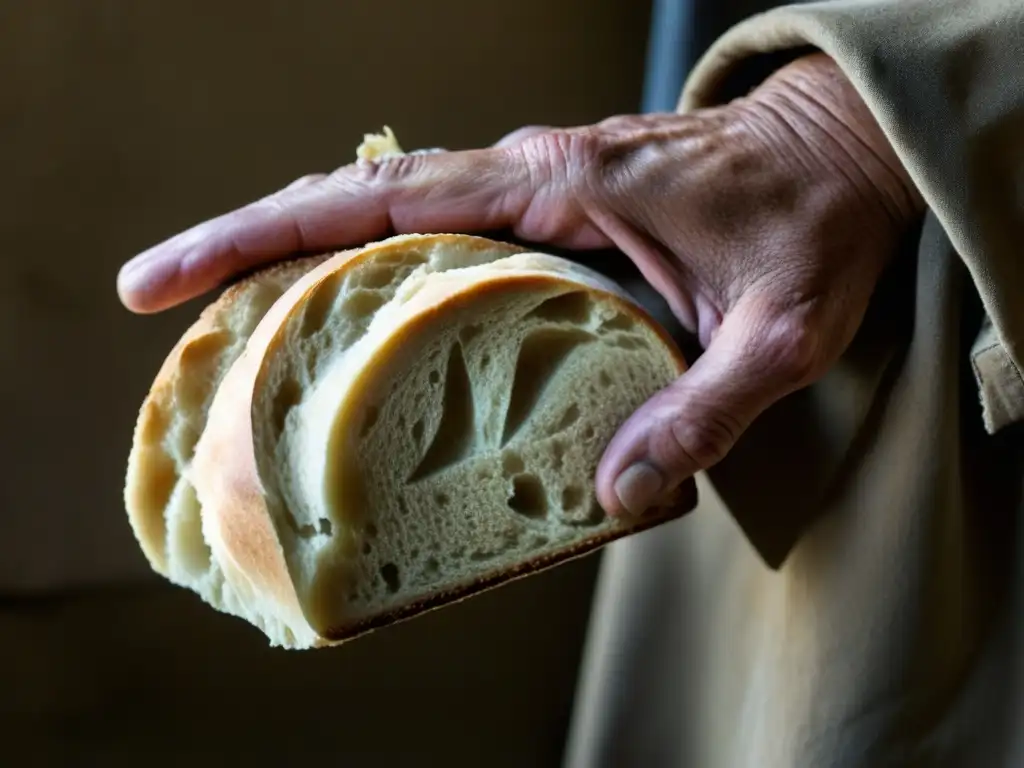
{"type": "Point", "coordinates": [122, 122]}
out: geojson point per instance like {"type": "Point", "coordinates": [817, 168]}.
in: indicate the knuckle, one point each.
{"type": "Point", "coordinates": [268, 207]}
{"type": "Point", "coordinates": [304, 181]}
{"type": "Point", "coordinates": [522, 134]}
{"type": "Point", "coordinates": [381, 172]}
{"type": "Point", "coordinates": [627, 125]}
{"type": "Point", "coordinates": [617, 123]}
{"type": "Point", "coordinates": [562, 155]}
{"type": "Point", "coordinates": [544, 157]}
{"type": "Point", "coordinates": [793, 348]}
{"type": "Point", "coordinates": [628, 163]}
{"type": "Point", "coordinates": [704, 440]}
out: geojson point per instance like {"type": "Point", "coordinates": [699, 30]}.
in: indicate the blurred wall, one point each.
{"type": "Point", "coordinates": [122, 122]}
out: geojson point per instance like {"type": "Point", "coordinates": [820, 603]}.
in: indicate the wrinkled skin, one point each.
{"type": "Point", "coordinates": [765, 223]}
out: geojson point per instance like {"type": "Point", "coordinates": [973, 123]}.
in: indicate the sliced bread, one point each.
{"type": "Point", "coordinates": [409, 423]}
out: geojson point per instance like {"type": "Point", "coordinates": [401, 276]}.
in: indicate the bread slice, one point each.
{"type": "Point", "coordinates": [161, 503]}
{"type": "Point", "coordinates": [410, 423]}
{"type": "Point", "coordinates": [237, 526]}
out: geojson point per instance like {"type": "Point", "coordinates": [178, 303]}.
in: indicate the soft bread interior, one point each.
{"type": "Point", "coordinates": [447, 429]}
{"type": "Point", "coordinates": [161, 501]}
{"type": "Point", "coordinates": [313, 346]}
{"type": "Point", "coordinates": [351, 288]}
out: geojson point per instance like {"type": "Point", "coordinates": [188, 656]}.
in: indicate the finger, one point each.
{"type": "Point", "coordinates": [304, 181]}
{"type": "Point", "coordinates": [520, 135]}
{"type": "Point", "coordinates": [458, 191]}
{"type": "Point", "coordinates": [753, 361]}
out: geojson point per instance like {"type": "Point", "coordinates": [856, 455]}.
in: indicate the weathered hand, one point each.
{"type": "Point", "coordinates": [765, 223]}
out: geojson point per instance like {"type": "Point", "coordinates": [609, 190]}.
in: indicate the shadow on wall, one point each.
{"type": "Point", "coordinates": [122, 123]}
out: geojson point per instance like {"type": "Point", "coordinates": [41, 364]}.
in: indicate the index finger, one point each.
{"type": "Point", "coordinates": [470, 191]}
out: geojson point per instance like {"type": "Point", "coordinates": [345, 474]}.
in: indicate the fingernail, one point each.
{"type": "Point", "coordinates": [638, 486]}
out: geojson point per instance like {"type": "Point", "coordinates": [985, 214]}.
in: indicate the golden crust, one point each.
{"type": "Point", "coordinates": [152, 471]}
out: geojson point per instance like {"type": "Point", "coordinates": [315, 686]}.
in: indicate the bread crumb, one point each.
{"type": "Point", "coordinates": [379, 146]}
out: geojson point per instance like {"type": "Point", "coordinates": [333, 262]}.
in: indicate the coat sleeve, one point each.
{"type": "Point", "coordinates": [945, 80]}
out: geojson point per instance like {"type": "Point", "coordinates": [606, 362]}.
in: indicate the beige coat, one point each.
{"type": "Point", "coordinates": [858, 598]}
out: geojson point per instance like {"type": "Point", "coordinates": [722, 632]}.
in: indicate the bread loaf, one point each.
{"type": "Point", "coordinates": [408, 424]}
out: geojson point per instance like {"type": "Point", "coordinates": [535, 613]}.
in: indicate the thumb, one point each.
{"type": "Point", "coordinates": [753, 360]}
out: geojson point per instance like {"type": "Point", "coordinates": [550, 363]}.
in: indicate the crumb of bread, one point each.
{"type": "Point", "coordinates": [379, 146]}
